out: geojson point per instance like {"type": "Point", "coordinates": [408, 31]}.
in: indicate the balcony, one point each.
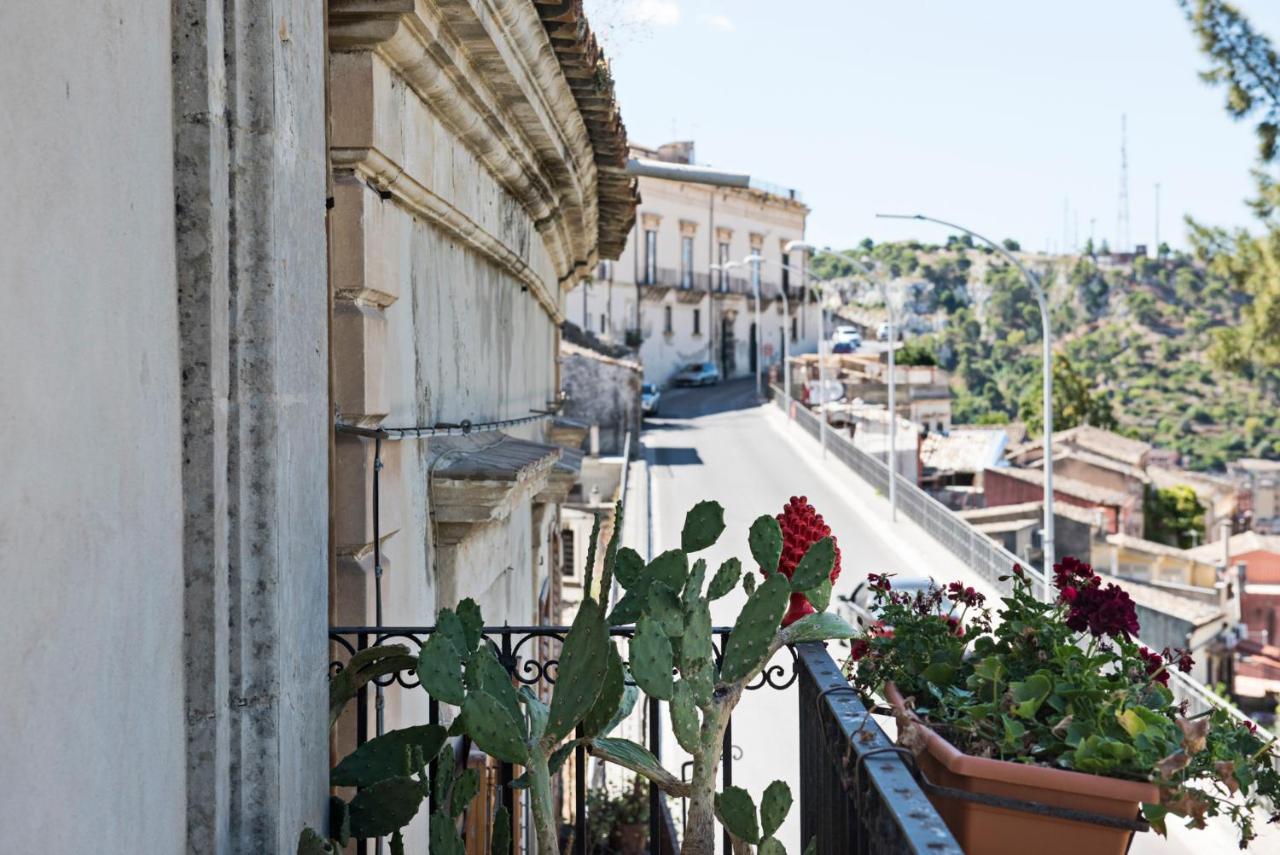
{"type": "Point", "coordinates": [668, 277]}
{"type": "Point", "coordinates": [856, 794]}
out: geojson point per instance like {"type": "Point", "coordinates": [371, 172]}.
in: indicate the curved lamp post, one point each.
{"type": "Point", "coordinates": [893, 379]}
{"type": "Point", "coordinates": [786, 309]}
{"type": "Point", "coordinates": [822, 337]}
{"type": "Point", "coordinates": [1047, 403]}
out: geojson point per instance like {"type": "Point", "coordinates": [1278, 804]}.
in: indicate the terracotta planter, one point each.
{"type": "Point", "coordinates": [985, 830]}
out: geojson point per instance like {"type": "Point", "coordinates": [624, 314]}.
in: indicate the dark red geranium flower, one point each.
{"type": "Point", "coordinates": [1074, 573]}
{"type": "Point", "coordinates": [1181, 658]}
{"type": "Point", "coordinates": [1103, 611]}
{"type": "Point", "coordinates": [1154, 664]}
{"type": "Point", "coordinates": [860, 647]}
{"type": "Point", "coordinates": [802, 527]}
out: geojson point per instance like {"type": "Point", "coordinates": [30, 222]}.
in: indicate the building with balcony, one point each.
{"type": "Point", "coordinates": [666, 295]}
{"type": "Point", "coordinates": [1259, 482]}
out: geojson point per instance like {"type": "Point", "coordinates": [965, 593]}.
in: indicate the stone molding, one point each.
{"type": "Point", "coordinates": [688, 228]}
{"type": "Point", "coordinates": [723, 234]}
{"type": "Point", "coordinates": [387, 177]}
{"type": "Point", "coordinates": [486, 70]}
{"type": "Point", "coordinates": [476, 481]}
{"type": "Point", "coordinates": [650, 220]}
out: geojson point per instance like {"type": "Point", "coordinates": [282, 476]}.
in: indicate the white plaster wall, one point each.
{"type": "Point", "coordinates": [91, 730]}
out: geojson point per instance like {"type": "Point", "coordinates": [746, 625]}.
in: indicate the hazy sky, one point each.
{"type": "Point", "coordinates": [991, 113]}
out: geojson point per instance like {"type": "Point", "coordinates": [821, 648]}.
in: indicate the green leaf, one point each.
{"type": "Point", "coordinates": [1156, 814]}
{"type": "Point", "coordinates": [823, 626]}
{"type": "Point", "coordinates": [939, 674]}
{"type": "Point", "coordinates": [628, 568]}
{"type": "Point", "coordinates": [384, 756]}
{"type": "Point", "coordinates": [765, 540]}
{"type": "Point", "coordinates": [671, 568]}
{"type": "Point", "coordinates": [820, 597]}
{"type": "Point", "coordinates": [584, 660]}
{"type": "Point", "coordinates": [724, 579]}
{"type": "Point", "coordinates": [702, 526]}
{"type": "Point", "coordinates": [491, 724]}
{"type": "Point", "coordinates": [753, 632]}
{"type": "Point", "coordinates": [774, 805]}
{"type": "Point", "coordinates": [472, 623]}
{"type": "Point", "coordinates": [815, 566]}
{"type": "Point", "coordinates": [1029, 694]}
{"type": "Point", "coordinates": [440, 669]}
{"type": "Point", "coordinates": [738, 813]}
{"type": "Point", "coordinates": [500, 839]}
{"type": "Point", "coordinates": [384, 807]}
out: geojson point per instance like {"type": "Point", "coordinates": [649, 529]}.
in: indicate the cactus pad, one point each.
{"type": "Point", "coordinates": [637, 758]}
{"type": "Point", "coordinates": [823, 626]}
{"type": "Point", "coordinates": [387, 806]}
{"type": "Point", "coordinates": [500, 839]}
{"type": "Point", "coordinates": [665, 608]}
{"type": "Point", "coordinates": [765, 540]}
{"type": "Point", "coordinates": [485, 673]}
{"type": "Point", "coordinates": [444, 838]}
{"type": "Point", "coordinates": [738, 813]}
{"type": "Point", "coordinates": [611, 696]}
{"type": "Point", "coordinates": [685, 721]}
{"type": "Point", "coordinates": [472, 622]}
{"type": "Point", "coordinates": [749, 584]}
{"type": "Point", "coordinates": [774, 805]}
{"type": "Point", "coordinates": [695, 644]}
{"type": "Point", "coordinates": [772, 846]}
{"type": "Point", "coordinates": [440, 668]}
{"type": "Point", "coordinates": [724, 579]}
{"type": "Point", "coordinates": [702, 526]}
{"type": "Point", "coordinates": [584, 660]}
{"type": "Point", "coordinates": [671, 568]}
{"type": "Point", "coordinates": [493, 727]}
{"type": "Point", "coordinates": [820, 597]}
{"type": "Point", "coordinates": [651, 659]}
{"type": "Point", "coordinates": [536, 712]}
{"type": "Point", "coordinates": [628, 568]}
{"type": "Point", "coordinates": [629, 608]}
{"type": "Point", "coordinates": [464, 790]}
{"type": "Point", "coordinates": [693, 587]}
{"type": "Point", "coordinates": [384, 756]}
{"type": "Point", "coordinates": [816, 565]}
{"type": "Point", "coordinates": [311, 843]}
{"type": "Point", "coordinates": [754, 630]}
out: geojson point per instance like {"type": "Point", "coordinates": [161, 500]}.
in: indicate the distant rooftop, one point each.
{"type": "Point", "coordinates": [1090, 438]}
{"type": "Point", "coordinates": [675, 161]}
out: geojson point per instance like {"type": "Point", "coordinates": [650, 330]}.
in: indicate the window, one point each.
{"type": "Point", "coordinates": [651, 256]}
{"type": "Point", "coordinates": [722, 276]}
{"type": "Point", "coordinates": [604, 271]}
{"type": "Point", "coordinates": [686, 261]}
{"type": "Point", "coordinates": [604, 324]}
{"type": "Point", "coordinates": [786, 273]}
{"type": "Point", "coordinates": [697, 322]}
{"type": "Point", "coordinates": [567, 553]}
{"type": "Point", "coordinates": [666, 319]}
{"type": "Point", "coordinates": [795, 325]}
{"type": "Point", "coordinates": [755, 271]}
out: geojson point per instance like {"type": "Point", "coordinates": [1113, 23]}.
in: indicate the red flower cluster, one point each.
{"type": "Point", "coordinates": [958, 593]}
{"type": "Point", "coordinates": [802, 527]}
{"type": "Point", "coordinates": [1181, 658]}
{"type": "Point", "coordinates": [1154, 663]}
{"type": "Point", "coordinates": [1101, 611]}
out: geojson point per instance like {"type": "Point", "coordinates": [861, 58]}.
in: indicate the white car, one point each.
{"type": "Point", "coordinates": [882, 332]}
{"type": "Point", "coordinates": [847, 334]}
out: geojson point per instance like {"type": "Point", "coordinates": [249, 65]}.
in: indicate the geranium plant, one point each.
{"type": "Point", "coordinates": [1064, 684]}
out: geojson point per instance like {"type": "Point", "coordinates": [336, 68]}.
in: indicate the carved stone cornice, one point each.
{"type": "Point", "coordinates": [483, 68]}
{"type": "Point", "coordinates": [476, 481]}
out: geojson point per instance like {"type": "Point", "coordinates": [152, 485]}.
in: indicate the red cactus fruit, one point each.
{"type": "Point", "coordinates": [802, 526]}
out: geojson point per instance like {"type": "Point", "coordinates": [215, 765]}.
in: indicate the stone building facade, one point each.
{"type": "Point", "coordinates": [278, 215]}
{"type": "Point", "coordinates": [663, 296]}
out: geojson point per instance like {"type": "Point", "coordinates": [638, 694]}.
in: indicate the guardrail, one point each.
{"type": "Point", "coordinates": [975, 549]}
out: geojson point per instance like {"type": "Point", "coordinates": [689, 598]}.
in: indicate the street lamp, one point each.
{"type": "Point", "coordinates": [893, 379]}
{"type": "Point", "coordinates": [786, 309]}
{"type": "Point", "coordinates": [1047, 397]}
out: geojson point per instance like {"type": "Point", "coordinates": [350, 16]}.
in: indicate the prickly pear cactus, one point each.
{"type": "Point", "coordinates": [672, 658]}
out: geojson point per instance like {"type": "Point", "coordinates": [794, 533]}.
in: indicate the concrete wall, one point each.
{"type": "Point", "coordinates": [91, 511]}
{"type": "Point", "coordinates": [166, 416]}
{"type": "Point", "coordinates": [603, 392]}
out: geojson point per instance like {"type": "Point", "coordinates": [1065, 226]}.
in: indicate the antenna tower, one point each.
{"type": "Point", "coordinates": [1122, 212]}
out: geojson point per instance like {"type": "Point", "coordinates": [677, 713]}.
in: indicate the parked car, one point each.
{"type": "Point", "coordinates": [844, 347]}
{"type": "Point", "coordinates": [649, 396]}
{"type": "Point", "coordinates": [882, 332]}
{"type": "Point", "coordinates": [697, 374]}
{"type": "Point", "coordinates": [847, 334]}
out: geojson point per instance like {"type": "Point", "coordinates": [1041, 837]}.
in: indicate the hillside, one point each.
{"type": "Point", "coordinates": [1137, 336]}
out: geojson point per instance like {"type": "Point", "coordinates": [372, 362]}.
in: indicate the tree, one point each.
{"type": "Point", "coordinates": [1074, 401]}
{"type": "Point", "coordinates": [1173, 516]}
{"type": "Point", "coordinates": [916, 352]}
{"type": "Point", "coordinates": [1011, 245]}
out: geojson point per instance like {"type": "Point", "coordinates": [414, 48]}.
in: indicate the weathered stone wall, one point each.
{"type": "Point", "coordinates": [603, 392]}
{"type": "Point", "coordinates": [164, 520]}
{"type": "Point", "coordinates": [91, 725]}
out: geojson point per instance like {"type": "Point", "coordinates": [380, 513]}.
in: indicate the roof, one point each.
{"type": "Point", "coordinates": [479, 458]}
{"type": "Point", "coordinates": [1128, 541]}
{"type": "Point", "coordinates": [587, 72]}
{"type": "Point", "coordinates": [1030, 510]}
{"type": "Point", "coordinates": [1066, 486]}
{"type": "Point", "coordinates": [1195, 611]}
{"type": "Point", "coordinates": [1005, 526]}
{"type": "Point", "coordinates": [1239, 544]}
{"type": "Point", "coordinates": [963, 450]}
{"type": "Point", "coordinates": [570, 349]}
{"type": "Point", "coordinates": [1102, 462]}
{"type": "Point", "coordinates": [1204, 484]}
{"type": "Point", "coordinates": [1255, 464]}
{"type": "Point", "coordinates": [1090, 438]}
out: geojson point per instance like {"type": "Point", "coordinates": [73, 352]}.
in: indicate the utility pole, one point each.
{"type": "Point", "coordinates": [1122, 211]}
{"type": "Point", "coordinates": [1157, 219]}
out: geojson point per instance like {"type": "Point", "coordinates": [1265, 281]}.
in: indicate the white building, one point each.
{"type": "Point", "coordinates": [664, 294]}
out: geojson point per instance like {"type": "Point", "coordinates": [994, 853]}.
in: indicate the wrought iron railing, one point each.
{"type": "Point", "coordinates": [856, 794]}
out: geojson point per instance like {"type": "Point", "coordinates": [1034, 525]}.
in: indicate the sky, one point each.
{"type": "Point", "coordinates": [995, 114]}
